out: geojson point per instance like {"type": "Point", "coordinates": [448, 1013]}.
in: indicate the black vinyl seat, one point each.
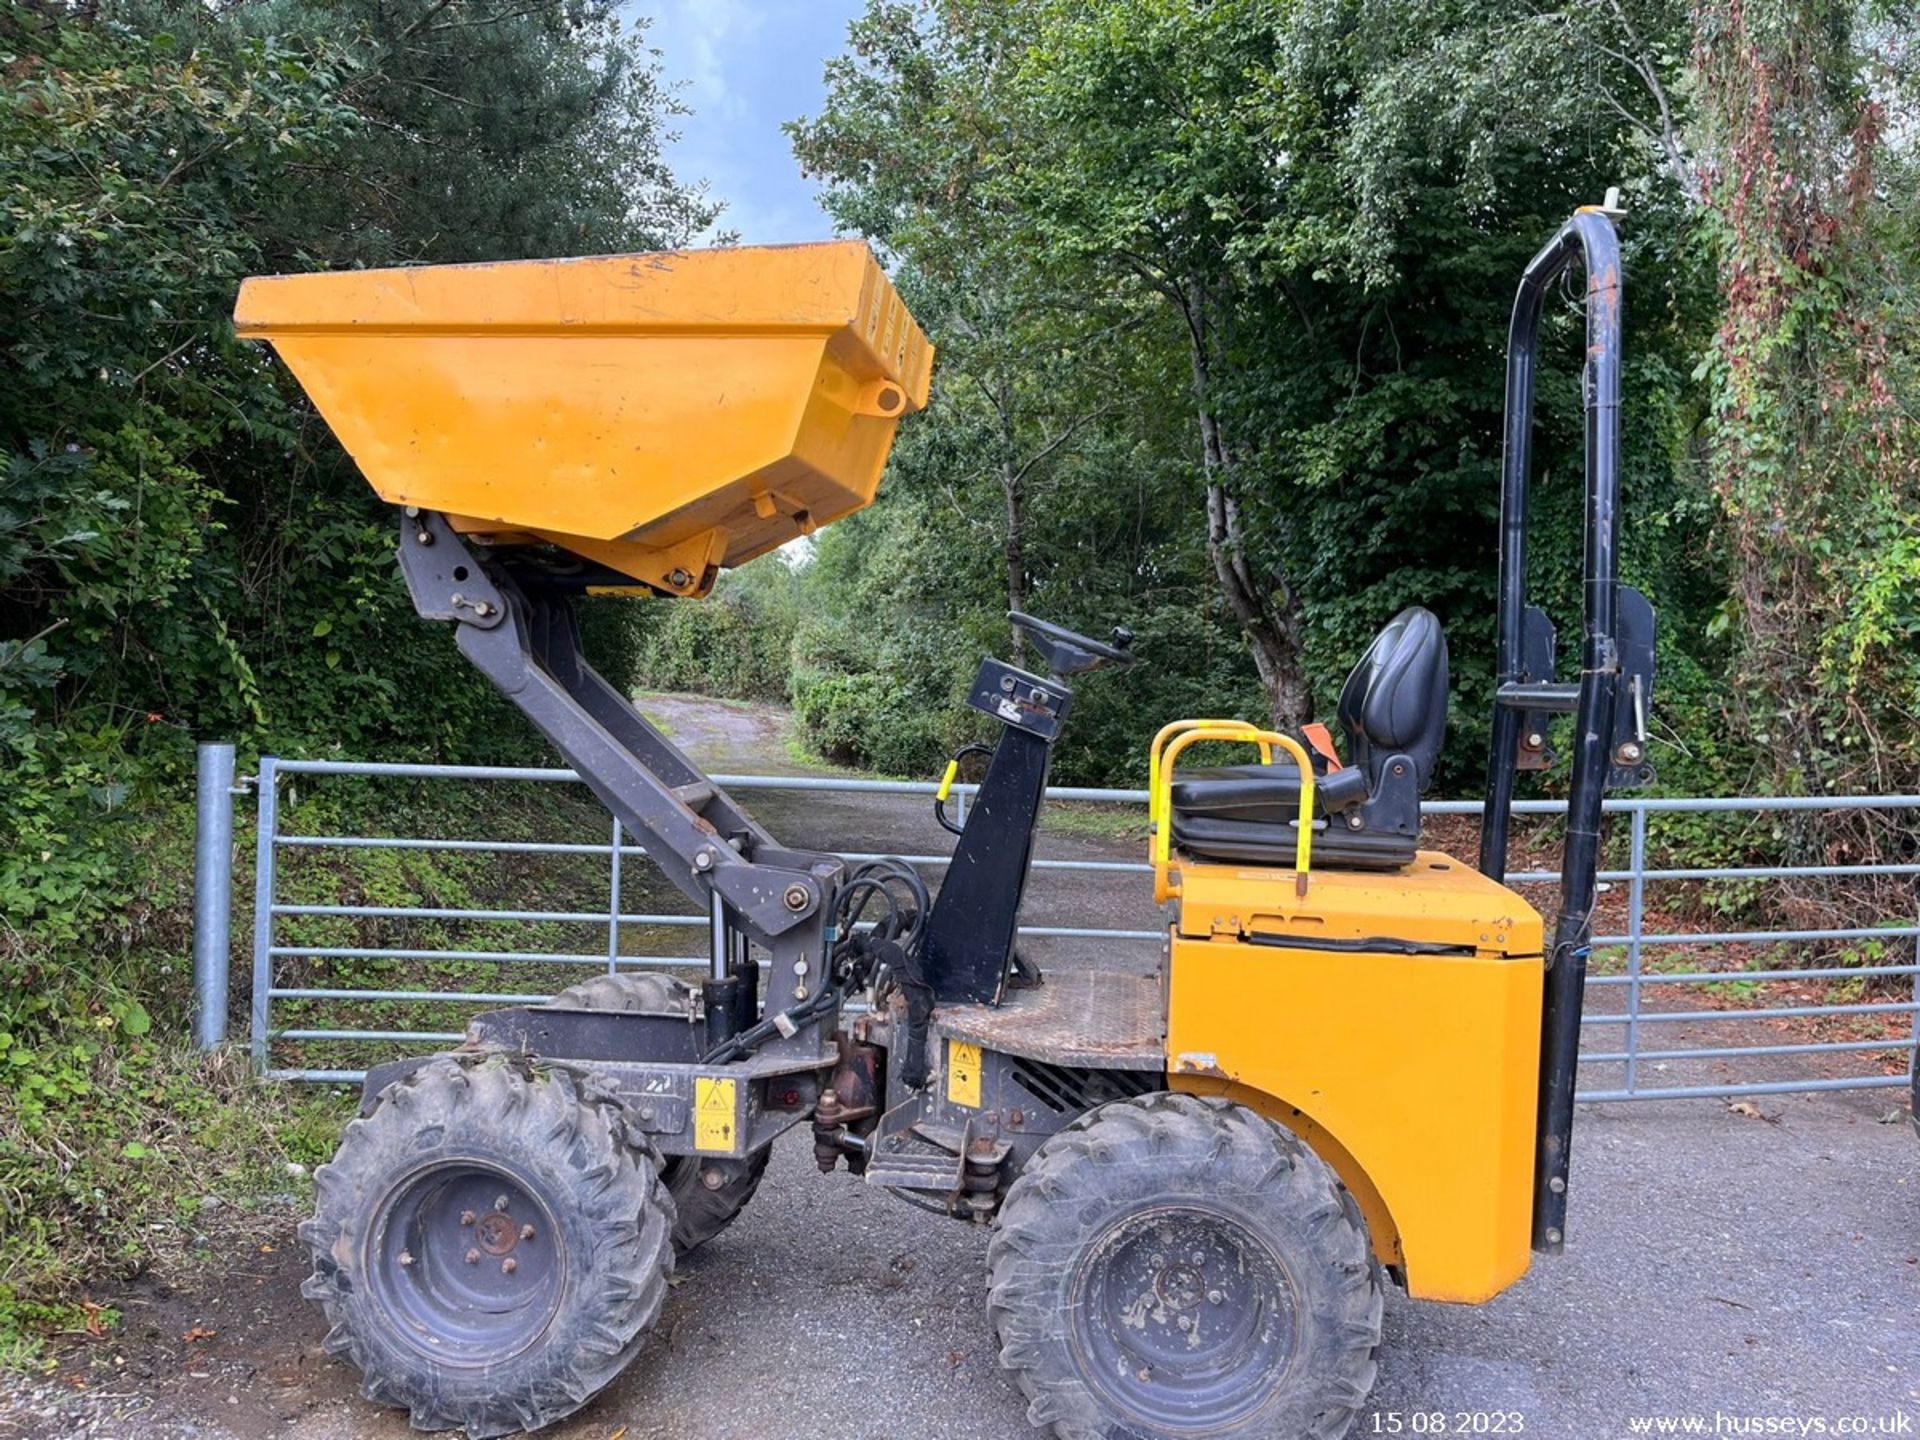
{"type": "Point", "coordinates": [1393, 712]}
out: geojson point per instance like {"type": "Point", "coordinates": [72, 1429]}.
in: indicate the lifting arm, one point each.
{"type": "Point", "coordinates": [521, 634]}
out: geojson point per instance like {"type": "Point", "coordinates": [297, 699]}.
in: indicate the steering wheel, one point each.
{"type": "Point", "coordinates": [1068, 653]}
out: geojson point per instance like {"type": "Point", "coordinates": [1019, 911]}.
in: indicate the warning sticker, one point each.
{"type": "Point", "coordinates": [713, 1113]}
{"type": "Point", "coordinates": [963, 1073]}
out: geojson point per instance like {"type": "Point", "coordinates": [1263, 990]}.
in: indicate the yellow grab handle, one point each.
{"type": "Point", "coordinates": [946, 781]}
{"type": "Point", "coordinates": [1175, 727]}
{"type": "Point", "coordinates": [1160, 795]}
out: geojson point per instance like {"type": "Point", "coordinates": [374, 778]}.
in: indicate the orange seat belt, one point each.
{"type": "Point", "coordinates": [1321, 739]}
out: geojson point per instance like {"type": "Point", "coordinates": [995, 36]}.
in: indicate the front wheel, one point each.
{"type": "Point", "coordinates": [490, 1245]}
{"type": "Point", "coordinates": [1174, 1267]}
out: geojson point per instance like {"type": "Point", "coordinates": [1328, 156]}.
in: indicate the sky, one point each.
{"type": "Point", "coordinates": [746, 67]}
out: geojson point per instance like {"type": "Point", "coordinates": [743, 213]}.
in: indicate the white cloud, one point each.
{"type": "Point", "coordinates": [746, 67]}
{"type": "Point", "coordinates": [703, 40]}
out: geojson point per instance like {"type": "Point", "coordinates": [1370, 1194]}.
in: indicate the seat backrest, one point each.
{"type": "Point", "coordinates": [1395, 701]}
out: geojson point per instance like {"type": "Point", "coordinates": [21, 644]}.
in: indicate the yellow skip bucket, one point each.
{"type": "Point", "coordinates": [663, 414]}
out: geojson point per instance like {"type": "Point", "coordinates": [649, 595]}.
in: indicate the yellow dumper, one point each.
{"type": "Point", "coordinates": [1354, 1061]}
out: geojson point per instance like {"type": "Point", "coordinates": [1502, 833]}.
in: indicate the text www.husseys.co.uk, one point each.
{"type": "Point", "coordinates": [1721, 1422]}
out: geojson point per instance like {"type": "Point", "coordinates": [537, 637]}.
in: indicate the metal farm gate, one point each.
{"type": "Point", "coordinates": [1647, 984]}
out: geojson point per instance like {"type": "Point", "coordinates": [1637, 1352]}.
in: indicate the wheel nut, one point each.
{"type": "Point", "coordinates": [406, 1257]}
{"type": "Point", "coordinates": [500, 1202]}
{"type": "Point", "coordinates": [1186, 1322]}
{"type": "Point", "coordinates": [509, 1265]}
{"type": "Point", "coordinates": [1216, 1297]}
{"type": "Point", "coordinates": [466, 1217]}
{"type": "Point", "coordinates": [1199, 1257]}
{"type": "Point", "coordinates": [473, 1257]}
{"type": "Point", "coordinates": [1159, 1260]}
{"type": "Point", "coordinates": [712, 1178]}
{"type": "Point", "coordinates": [526, 1232]}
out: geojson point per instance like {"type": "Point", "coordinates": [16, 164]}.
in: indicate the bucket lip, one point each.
{"type": "Point", "coordinates": [807, 288]}
{"type": "Point", "coordinates": [683, 252]}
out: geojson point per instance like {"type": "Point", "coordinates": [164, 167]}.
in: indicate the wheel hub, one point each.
{"type": "Point", "coordinates": [498, 1232]}
{"type": "Point", "coordinates": [1180, 1287]}
{"type": "Point", "coordinates": [1183, 1317]}
{"type": "Point", "coordinates": [467, 1258]}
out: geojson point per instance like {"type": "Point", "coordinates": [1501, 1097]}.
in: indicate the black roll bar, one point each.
{"type": "Point", "coordinates": [1589, 238]}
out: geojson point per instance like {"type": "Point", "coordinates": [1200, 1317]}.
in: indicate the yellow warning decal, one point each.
{"type": "Point", "coordinates": [713, 1113]}
{"type": "Point", "coordinates": [963, 1073]}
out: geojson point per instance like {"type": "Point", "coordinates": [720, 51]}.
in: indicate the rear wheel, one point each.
{"type": "Point", "coordinates": [643, 993]}
{"type": "Point", "coordinates": [490, 1245]}
{"type": "Point", "coordinates": [708, 1195]}
{"type": "Point", "coordinates": [1181, 1267]}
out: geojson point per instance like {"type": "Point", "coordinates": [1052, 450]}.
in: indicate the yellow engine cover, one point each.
{"type": "Point", "coordinates": [664, 414]}
{"type": "Point", "coordinates": [1394, 1021]}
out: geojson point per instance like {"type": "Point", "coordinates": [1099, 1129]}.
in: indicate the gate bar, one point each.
{"type": "Point", "coordinates": [269, 797]}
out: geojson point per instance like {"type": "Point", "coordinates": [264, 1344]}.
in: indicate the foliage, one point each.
{"type": "Point", "coordinates": [1811, 373]}
{"type": "Point", "coordinates": [1305, 221]}
{"type": "Point", "coordinates": [1804, 145]}
{"type": "Point", "coordinates": [491, 129]}
{"type": "Point", "coordinates": [738, 644]}
{"type": "Point", "coordinates": [181, 536]}
{"type": "Point", "coordinates": [1106, 546]}
{"type": "Point", "coordinates": [111, 1133]}
{"type": "Point", "coordinates": [914, 146]}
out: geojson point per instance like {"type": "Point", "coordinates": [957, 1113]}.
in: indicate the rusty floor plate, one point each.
{"type": "Point", "coordinates": [1099, 1019]}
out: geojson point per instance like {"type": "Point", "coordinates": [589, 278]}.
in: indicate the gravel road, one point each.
{"type": "Point", "coordinates": [1755, 1264]}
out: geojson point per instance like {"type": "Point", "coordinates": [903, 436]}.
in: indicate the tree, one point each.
{"type": "Point", "coordinates": [1148, 166]}
{"type": "Point", "coordinates": [1803, 137]}
{"type": "Point", "coordinates": [1334, 201]}
{"type": "Point", "coordinates": [181, 530]}
{"type": "Point", "coordinates": [1307, 217]}
{"type": "Point", "coordinates": [184, 551]}
{"type": "Point", "coordinates": [492, 129]}
{"type": "Point", "coordinates": [914, 141]}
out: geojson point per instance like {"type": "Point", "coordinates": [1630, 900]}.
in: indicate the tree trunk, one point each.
{"type": "Point", "coordinates": [1272, 630]}
{"type": "Point", "coordinates": [1014, 548]}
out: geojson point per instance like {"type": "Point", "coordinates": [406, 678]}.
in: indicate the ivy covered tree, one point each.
{"type": "Point", "coordinates": [1807, 180]}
